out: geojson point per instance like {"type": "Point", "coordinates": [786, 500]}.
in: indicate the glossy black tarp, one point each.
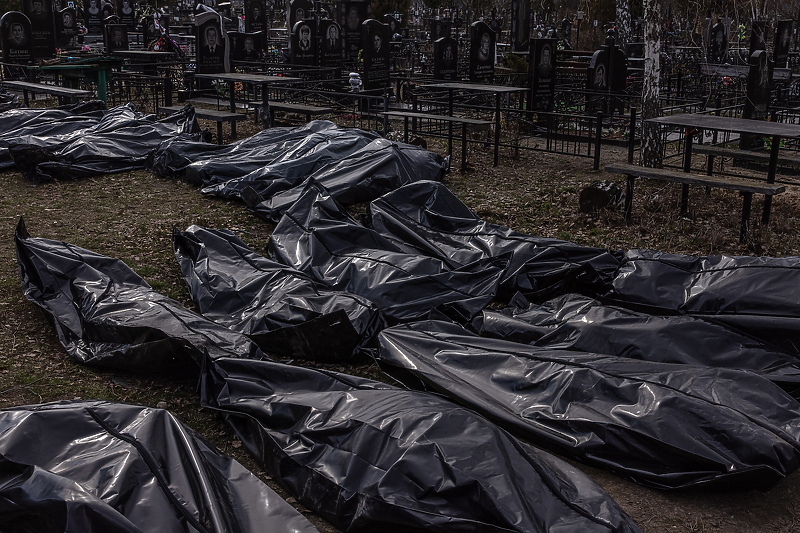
{"type": "Point", "coordinates": [430, 217]}
{"type": "Point", "coordinates": [121, 141]}
{"type": "Point", "coordinates": [8, 100]}
{"type": "Point", "coordinates": [318, 237]}
{"type": "Point", "coordinates": [576, 322]}
{"type": "Point", "coordinates": [46, 126]}
{"type": "Point", "coordinates": [662, 425]}
{"type": "Point", "coordinates": [101, 467]}
{"type": "Point", "coordinates": [370, 457]}
{"type": "Point", "coordinates": [365, 174]}
{"type": "Point", "coordinates": [757, 295]}
{"type": "Point", "coordinates": [282, 309]}
{"type": "Point", "coordinates": [213, 165]}
{"type": "Point", "coordinates": [106, 315]}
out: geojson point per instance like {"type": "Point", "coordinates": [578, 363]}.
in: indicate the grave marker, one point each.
{"type": "Point", "coordinates": [482, 53]}
{"type": "Point", "coordinates": [445, 59]}
{"type": "Point", "coordinates": [375, 45]}
{"type": "Point", "coordinates": [15, 37]}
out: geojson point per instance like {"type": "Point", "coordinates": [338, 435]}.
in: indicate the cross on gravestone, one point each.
{"type": "Point", "coordinates": [482, 53]}
{"type": "Point", "coordinates": [375, 46]}
{"type": "Point", "coordinates": [255, 16]}
{"type": "Point", "coordinates": [520, 25]}
{"type": "Point", "coordinates": [445, 59]}
{"type": "Point", "coordinates": [783, 40]}
{"type": "Point", "coordinates": [116, 37]}
{"type": "Point", "coordinates": [127, 13]}
{"type": "Point", "coordinates": [66, 30]}
{"type": "Point", "coordinates": [330, 53]}
{"type": "Point", "coordinates": [15, 37]}
{"type": "Point", "coordinates": [304, 43]}
{"type": "Point", "coordinates": [43, 31]}
{"type": "Point", "coordinates": [543, 73]}
{"type": "Point", "coordinates": [353, 14]}
{"type": "Point", "coordinates": [212, 44]}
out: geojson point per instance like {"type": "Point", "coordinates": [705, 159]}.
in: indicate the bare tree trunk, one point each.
{"type": "Point", "coordinates": [623, 22]}
{"type": "Point", "coordinates": [651, 108]}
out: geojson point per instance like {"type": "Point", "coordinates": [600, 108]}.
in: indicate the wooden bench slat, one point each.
{"type": "Point", "coordinates": [205, 100]}
{"type": "Point", "coordinates": [300, 108]}
{"type": "Point", "coordinates": [446, 118]}
{"type": "Point", "coordinates": [211, 114]}
{"type": "Point", "coordinates": [739, 184]}
{"type": "Point", "coordinates": [55, 90]}
{"type": "Point", "coordinates": [723, 151]}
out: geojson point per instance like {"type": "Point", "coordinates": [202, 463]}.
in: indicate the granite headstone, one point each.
{"type": "Point", "coordinates": [353, 14]}
{"type": "Point", "coordinates": [66, 28]}
{"type": "Point", "coordinates": [783, 41]}
{"type": "Point", "coordinates": [482, 53]}
{"type": "Point", "coordinates": [543, 73]}
{"type": "Point", "coordinates": [116, 37]}
{"type": "Point", "coordinates": [212, 44]}
{"type": "Point", "coordinates": [330, 53]}
{"type": "Point", "coordinates": [304, 43]}
{"type": "Point", "coordinates": [375, 44]}
{"type": "Point", "coordinates": [15, 37]}
{"type": "Point", "coordinates": [445, 59]}
{"type": "Point", "coordinates": [520, 25]}
{"type": "Point", "coordinates": [43, 31]}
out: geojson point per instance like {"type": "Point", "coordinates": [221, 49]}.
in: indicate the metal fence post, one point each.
{"type": "Point", "coordinates": [598, 138]}
{"type": "Point", "coordinates": [632, 138]}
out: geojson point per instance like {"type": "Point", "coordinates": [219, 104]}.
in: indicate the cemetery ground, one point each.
{"type": "Point", "coordinates": [130, 216]}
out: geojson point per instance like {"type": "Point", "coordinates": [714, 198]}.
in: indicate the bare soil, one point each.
{"type": "Point", "coordinates": [130, 216]}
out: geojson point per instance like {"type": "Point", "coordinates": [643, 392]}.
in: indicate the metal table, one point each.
{"type": "Point", "coordinates": [261, 80]}
{"type": "Point", "coordinates": [497, 90]}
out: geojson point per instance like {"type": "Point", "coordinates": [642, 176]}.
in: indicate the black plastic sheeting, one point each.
{"type": "Point", "coordinates": [101, 467]}
{"type": "Point", "coordinates": [8, 100]}
{"type": "Point", "coordinates": [121, 141]}
{"type": "Point", "coordinates": [318, 237]}
{"type": "Point", "coordinates": [282, 309]}
{"type": "Point", "coordinates": [46, 126]}
{"type": "Point", "coordinates": [576, 322]}
{"type": "Point", "coordinates": [367, 173]}
{"type": "Point", "coordinates": [662, 425]}
{"type": "Point", "coordinates": [106, 315]}
{"type": "Point", "coordinates": [213, 166]}
{"type": "Point", "coordinates": [428, 216]}
{"type": "Point", "coordinates": [370, 457]}
{"type": "Point", "coordinates": [756, 295]}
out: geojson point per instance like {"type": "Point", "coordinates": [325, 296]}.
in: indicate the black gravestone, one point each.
{"type": "Point", "coordinates": [298, 10]}
{"type": "Point", "coordinates": [247, 46]}
{"type": "Point", "coordinates": [93, 16]}
{"type": "Point", "coordinates": [66, 29]}
{"type": "Point", "coordinates": [127, 13]}
{"type": "Point", "coordinates": [330, 54]}
{"type": "Point", "coordinates": [43, 32]}
{"type": "Point", "coordinates": [304, 43]}
{"type": "Point", "coordinates": [116, 37]}
{"type": "Point", "coordinates": [520, 25]}
{"type": "Point", "coordinates": [255, 16]}
{"type": "Point", "coordinates": [543, 73]}
{"type": "Point", "coordinates": [758, 37]}
{"type": "Point", "coordinates": [394, 27]}
{"type": "Point", "coordinates": [440, 28]}
{"type": "Point", "coordinates": [353, 14]}
{"type": "Point", "coordinates": [15, 37]}
{"type": "Point", "coordinates": [481, 56]}
{"type": "Point", "coordinates": [718, 43]}
{"type": "Point", "coordinates": [375, 45]}
{"type": "Point", "coordinates": [108, 10]}
{"type": "Point", "coordinates": [212, 44]}
{"type": "Point", "coordinates": [607, 78]}
{"type": "Point", "coordinates": [759, 91]}
{"type": "Point", "coordinates": [783, 40]}
{"type": "Point", "coordinates": [445, 59]}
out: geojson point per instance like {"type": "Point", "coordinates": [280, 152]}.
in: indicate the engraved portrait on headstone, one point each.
{"type": "Point", "coordinates": [248, 46]}
{"type": "Point", "coordinates": [482, 53]}
{"type": "Point", "coordinates": [445, 59]}
{"type": "Point", "coordinates": [304, 43]}
{"type": "Point", "coordinates": [353, 14]}
{"type": "Point", "coordinates": [543, 72]}
{"type": "Point", "coordinates": [298, 10]}
{"type": "Point", "coordinates": [15, 32]}
{"type": "Point", "coordinates": [331, 52]}
{"type": "Point", "coordinates": [375, 45]}
{"type": "Point", "coordinates": [66, 31]}
{"type": "Point", "coordinates": [255, 16]}
{"type": "Point", "coordinates": [92, 16]}
{"type": "Point", "coordinates": [40, 13]}
{"type": "Point", "coordinates": [127, 13]}
{"type": "Point", "coordinates": [212, 41]}
{"type": "Point", "coordinates": [116, 37]}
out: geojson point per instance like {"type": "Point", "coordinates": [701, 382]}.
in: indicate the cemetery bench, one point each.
{"type": "Point", "coordinates": [713, 150]}
{"type": "Point", "coordinates": [308, 110]}
{"type": "Point", "coordinates": [210, 114]}
{"type": "Point", "coordinates": [63, 93]}
{"type": "Point", "coordinates": [745, 186]}
{"type": "Point", "coordinates": [464, 121]}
